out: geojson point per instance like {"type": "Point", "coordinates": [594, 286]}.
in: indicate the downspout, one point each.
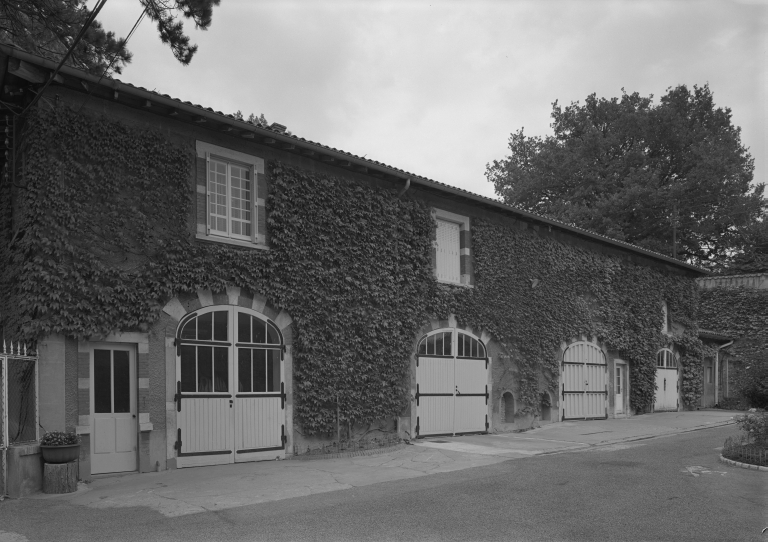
{"type": "Point", "coordinates": [717, 369]}
{"type": "Point", "coordinates": [405, 188]}
{"type": "Point", "coordinates": [4, 436]}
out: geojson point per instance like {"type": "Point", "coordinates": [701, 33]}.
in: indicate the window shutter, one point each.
{"type": "Point", "coordinates": [448, 252]}
{"type": "Point", "coordinates": [254, 204]}
{"type": "Point", "coordinates": [208, 193]}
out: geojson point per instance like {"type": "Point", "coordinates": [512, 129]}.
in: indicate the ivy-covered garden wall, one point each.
{"type": "Point", "coordinates": [741, 313]}
{"type": "Point", "coordinates": [102, 238]}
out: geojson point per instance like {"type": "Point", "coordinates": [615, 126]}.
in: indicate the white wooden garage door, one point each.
{"type": "Point", "coordinates": [667, 385]}
{"type": "Point", "coordinates": [585, 382]}
{"type": "Point", "coordinates": [230, 392]}
{"type": "Point", "coordinates": [451, 384]}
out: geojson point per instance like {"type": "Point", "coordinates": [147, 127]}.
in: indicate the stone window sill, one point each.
{"type": "Point", "coordinates": [227, 241]}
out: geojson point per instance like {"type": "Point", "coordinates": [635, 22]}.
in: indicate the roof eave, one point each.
{"type": "Point", "coordinates": [338, 155]}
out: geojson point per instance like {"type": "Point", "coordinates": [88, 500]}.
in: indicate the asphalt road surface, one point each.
{"type": "Point", "coordinates": [670, 488]}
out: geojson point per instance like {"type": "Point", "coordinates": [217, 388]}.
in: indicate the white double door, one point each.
{"type": "Point", "coordinates": [584, 382]}
{"type": "Point", "coordinates": [230, 398]}
{"type": "Point", "coordinates": [451, 394]}
{"type": "Point", "coordinates": [114, 428]}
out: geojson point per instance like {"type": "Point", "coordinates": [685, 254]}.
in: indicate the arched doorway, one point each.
{"type": "Point", "coordinates": [545, 406]}
{"type": "Point", "coordinates": [230, 391]}
{"type": "Point", "coordinates": [585, 382]}
{"type": "Point", "coordinates": [451, 383]}
{"type": "Point", "coordinates": [508, 402]}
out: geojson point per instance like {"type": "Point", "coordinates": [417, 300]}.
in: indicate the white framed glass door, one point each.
{"type": "Point", "coordinates": [114, 427]}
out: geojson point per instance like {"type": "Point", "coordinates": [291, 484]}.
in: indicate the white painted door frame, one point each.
{"type": "Point", "coordinates": [113, 398]}
{"type": "Point", "coordinates": [619, 386]}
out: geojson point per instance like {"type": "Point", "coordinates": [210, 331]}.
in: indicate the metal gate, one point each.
{"type": "Point", "coordinates": [451, 384]}
{"type": "Point", "coordinates": [18, 403]}
{"type": "Point", "coordinates": [585, 382]}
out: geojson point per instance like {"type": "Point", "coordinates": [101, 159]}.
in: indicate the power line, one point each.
{"type": "Point", "coordinates": [114, 57]}
{"type": "Point", "coordinates": [88, 21]}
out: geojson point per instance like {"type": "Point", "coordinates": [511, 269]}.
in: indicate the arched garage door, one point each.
{"type": "Point", "coordinates": [451, 384]}
{"type": "Point", "coordinates": [230, 391]}
{"type": "Point", "coordinates": [585, 382]}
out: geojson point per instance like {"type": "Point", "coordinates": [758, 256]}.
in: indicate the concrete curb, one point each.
{"type": "Point", "coordinates": [360, 453]}
{"type": "Point", "coordinates": [635, 438]}
{"type": "Point", "coordinates": [742, 465]}
{"type": "Point", "coordinates": [689, 430]}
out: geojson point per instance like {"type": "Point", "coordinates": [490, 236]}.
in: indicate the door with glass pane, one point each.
{"type": "Point", "coordinates": [114, 433]}
{"type": "Point", "coordinates": [260, 395]}
{"type": "Point", "coordinates": [230, 395]}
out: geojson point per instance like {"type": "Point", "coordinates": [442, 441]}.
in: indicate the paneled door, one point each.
{"type": "Point", "coordinates": [585, 382]}
{"type": "Point", "coordinates": [451, 384]}
{"type": "Point", "coordinates": [114, 430]}
{"type": "Point", "coordinates": [667, 386]}
{"type": "Point", "coordinates": [230, 398]}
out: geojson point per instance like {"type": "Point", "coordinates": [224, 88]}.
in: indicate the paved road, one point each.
{"type": "Point", "coordinates": [670, 488]}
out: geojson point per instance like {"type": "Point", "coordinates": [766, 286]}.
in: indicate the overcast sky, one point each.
{"type": "Point", "coordinates": [436, 88]}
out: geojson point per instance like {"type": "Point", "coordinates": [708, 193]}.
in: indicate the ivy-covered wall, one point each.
{"type": "Point", "coordinates": [103, 237]}
{"type": "Point", "coordinates": [533, 293]}
{"type": "Point", "coordinates": [740, 312]}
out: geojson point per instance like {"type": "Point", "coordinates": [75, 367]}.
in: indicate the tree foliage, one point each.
{"type": "Point", "coordinates": [628, 168]}
{"type": "Point", "coordinates": [48, 28]}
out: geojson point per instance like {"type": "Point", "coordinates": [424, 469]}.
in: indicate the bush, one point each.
{"type": "Point", "coordinates": [755, 424]}
{"type": "Point", "coordinates": [752, 383]}
{"type": "Point", "coordinates": [59, 438]}
{"type": "Point", "coordinates": [733, 403]}
{"type": "Point", "coordinates": [741, 450]}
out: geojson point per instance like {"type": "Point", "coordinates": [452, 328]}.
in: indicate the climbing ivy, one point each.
{"type": "Point", "coordinates": [101, 240]}
{"type": "Point", "coordinates": [742, 314]}
{"type": "Point", "coordinates": [352, 265]}
{"type": "Point", "coordinates": [534, 293]}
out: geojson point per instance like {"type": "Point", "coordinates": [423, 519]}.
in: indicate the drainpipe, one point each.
{"type": "Point", "coordinates": [717, 368]}
{"type": "Point", "coordinates": [4, 436]}
{"type": "Point", "coordinates": [405, 188]}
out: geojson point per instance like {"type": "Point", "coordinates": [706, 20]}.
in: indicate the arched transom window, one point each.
{"type": "Point", "coordinates": [212, 341]}
{"type": "Point", "coordinates": [666, 359]}
{"type": "Point", "coordinates": [442, 344]}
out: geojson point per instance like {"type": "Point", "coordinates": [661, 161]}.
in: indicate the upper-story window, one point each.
{"type": "Point", "coordinates": [452, 251]}
{"type": "Point", "coordinates": [666, 325]}
{"type": "Point", "coordinates": [231, 189]}
{"type": "Point", "coordinates": [231, 211]}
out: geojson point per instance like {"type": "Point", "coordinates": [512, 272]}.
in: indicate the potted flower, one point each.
{"type": "Point", "coordinates": [60, 447]}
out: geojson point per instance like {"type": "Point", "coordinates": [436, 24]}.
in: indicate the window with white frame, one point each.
{"type": "Point", "coordinates": [451, 258]}
{"type": "Point", "coordinates": [231, 209]}
{"type": "Point", "coordinates": [230, 187]}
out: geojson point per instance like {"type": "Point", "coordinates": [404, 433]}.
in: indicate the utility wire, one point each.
{"type": "Point", "coordinates": [114, 57]}
{"type": "Point", "coordinates": [88, 21]}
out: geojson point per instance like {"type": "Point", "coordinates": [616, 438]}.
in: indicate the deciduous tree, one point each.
{"type": "Point", "coordinates": [641, 172]}
{"type": "Point", "coordinates": [48, 28]}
